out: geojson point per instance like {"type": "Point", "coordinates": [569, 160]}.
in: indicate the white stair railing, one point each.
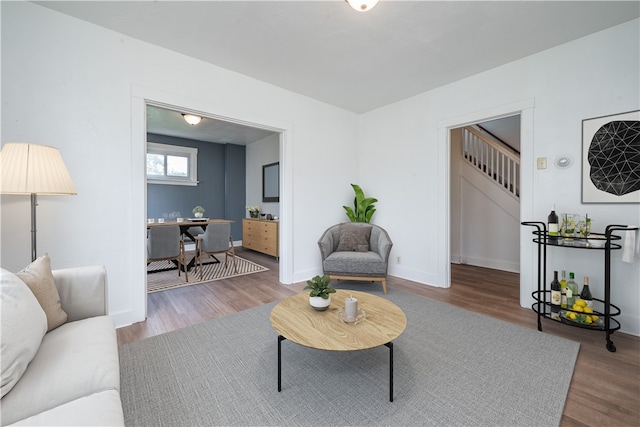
{"type": "Point", "coordinates": [495, 161]}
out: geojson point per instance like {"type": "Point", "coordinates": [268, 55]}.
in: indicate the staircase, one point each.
{"type": "Point", "coordinates": [493, 159]}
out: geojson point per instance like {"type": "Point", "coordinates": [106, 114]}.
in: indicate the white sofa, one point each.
{"type": "Point", "coordinates": [74, 376]}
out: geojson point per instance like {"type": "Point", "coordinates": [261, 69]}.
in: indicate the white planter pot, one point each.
{"type": "Point", "coordinates": [319, 303]}
{"type": "Point", "coordinates": [198, 214]}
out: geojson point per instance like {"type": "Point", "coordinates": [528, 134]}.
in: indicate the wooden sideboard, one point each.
{"type": "Point", "coordinates": [261, 236]}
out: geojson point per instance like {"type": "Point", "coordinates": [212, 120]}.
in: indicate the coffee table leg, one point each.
{"type": "Point", "coordinates": [390, 345]}
{"type": "Point", "coordinates": [280, 339]}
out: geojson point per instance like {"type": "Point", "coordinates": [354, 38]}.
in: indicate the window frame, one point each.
{"type": "Point", "coordinates": [165, 150]}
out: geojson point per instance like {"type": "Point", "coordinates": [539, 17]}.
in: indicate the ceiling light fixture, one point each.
{"type": "Point", "coordinates": [192, 119]}
{"type": "Point", "coordinates": [362, 5]}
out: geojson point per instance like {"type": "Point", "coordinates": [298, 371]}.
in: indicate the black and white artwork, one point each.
{"type": "Point", "coordinates": [611, 159]}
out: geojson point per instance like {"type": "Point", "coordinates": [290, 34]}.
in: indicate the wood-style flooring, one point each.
{"type": "Point", "coordinates": [605, 389]}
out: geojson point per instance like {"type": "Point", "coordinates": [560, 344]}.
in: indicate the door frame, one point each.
{"type": "Point", "coordinates": [140, 98]}
{"type": "Point", "coordinates": [525, 108]}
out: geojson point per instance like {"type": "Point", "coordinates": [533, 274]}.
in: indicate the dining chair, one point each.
{"type": "Point", "coordinates": [165, 243]}
{"type": "Point", "coordinates": [216, 239]}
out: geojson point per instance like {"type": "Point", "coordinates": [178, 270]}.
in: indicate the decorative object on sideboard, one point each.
{"type": "Point", "coordinates": [254, 211]}
{"type": "Point", "coordinates": [35, 170]}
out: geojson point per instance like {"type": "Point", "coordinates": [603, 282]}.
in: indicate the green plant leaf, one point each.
{"type": "Point", "coordinates": [350, 213]}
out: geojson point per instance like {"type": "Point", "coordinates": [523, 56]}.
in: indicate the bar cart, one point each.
{"type": "Point", "coordinates": [603, 309]}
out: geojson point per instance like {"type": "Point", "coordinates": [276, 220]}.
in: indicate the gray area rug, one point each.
{"type": "Point", "coordinates": [452, 368]}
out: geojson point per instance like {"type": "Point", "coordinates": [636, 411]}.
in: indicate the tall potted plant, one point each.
{"type": "Point", "coordinates": [319, 297]}
{"type": "Point", "coordinates": [363, 208]}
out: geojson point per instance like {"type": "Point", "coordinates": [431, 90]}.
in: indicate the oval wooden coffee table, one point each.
{"type": "Point", "coordinates": [294, 319]}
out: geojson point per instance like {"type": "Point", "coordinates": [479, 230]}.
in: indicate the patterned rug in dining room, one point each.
{"type": "Point", "coordinates": [159, 278]}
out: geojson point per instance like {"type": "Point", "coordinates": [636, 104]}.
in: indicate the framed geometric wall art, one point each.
{"type": "Point", "coordinates": [611, 159]}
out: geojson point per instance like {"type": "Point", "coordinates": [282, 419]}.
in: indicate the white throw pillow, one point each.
{"type": "Point", "coordinates": [23, 325]}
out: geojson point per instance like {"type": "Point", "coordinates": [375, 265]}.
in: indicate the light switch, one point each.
{"type": "Point", "coordinates": [542, 162]}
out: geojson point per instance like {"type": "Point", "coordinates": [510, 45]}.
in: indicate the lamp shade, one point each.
{"type": "Point", "coordinates": [362, 5]}
{"type": "Point", "coordinates": [33, 169]}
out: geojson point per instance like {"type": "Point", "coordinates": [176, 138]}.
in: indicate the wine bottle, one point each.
{"type": "Point", "coordinates": [586, 292]}
{"type": "Point", "coordinates": [552, 224]}
{"type": "Point", "coordinates": [572, 291]}
{"type": "Point", "coordinates": [563, 290]}
{"type": "Point", "coordinates": [556, 297]}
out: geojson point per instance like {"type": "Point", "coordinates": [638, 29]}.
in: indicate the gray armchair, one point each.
{"type": "Point", "coordinates": [356, 251]}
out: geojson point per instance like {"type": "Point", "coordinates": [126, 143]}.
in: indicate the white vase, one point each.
{"type": "Point", "coordinates": [198, 214]}
{"type": "Point", "coordinates": [319, 303]}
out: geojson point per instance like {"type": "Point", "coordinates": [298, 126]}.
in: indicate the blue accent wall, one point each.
{"type": "Point", "coordinates": [221, 189]}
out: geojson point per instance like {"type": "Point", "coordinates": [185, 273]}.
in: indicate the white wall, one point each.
{"type": "Point", "coordinates": [81, 88]}
{"type": "Point", "coordinates": [260, 153]}
{"type": "Point", "coordinates": [404, 157]}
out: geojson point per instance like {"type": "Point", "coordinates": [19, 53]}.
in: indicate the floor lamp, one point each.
{"type": "Point", "coordinates": [34, 170]}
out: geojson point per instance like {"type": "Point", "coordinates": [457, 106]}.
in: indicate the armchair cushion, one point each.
{"type": "Point", "coordinates": [39, 278]}
{"type": "Point", "coordinates": [366, 264]}
{"type": "Point", "coordinates": [354, 238]}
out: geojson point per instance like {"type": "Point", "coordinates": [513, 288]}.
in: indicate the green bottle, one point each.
{"type": "Point", "coordinates": [572, 291]}
{"type": "Point", "coordinates": [563, 289]}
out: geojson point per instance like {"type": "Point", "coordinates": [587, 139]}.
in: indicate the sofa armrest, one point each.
{"type": "Point", "coordinates": [83, 291]}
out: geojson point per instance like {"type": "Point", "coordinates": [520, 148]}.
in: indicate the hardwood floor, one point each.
{"type": "Point", "coordinates": [605, 389]}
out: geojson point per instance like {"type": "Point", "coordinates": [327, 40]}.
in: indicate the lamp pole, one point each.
{"type": "Point", "coordinates": [34, 203]}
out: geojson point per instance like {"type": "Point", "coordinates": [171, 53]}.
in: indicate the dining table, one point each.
{"type": "Point", "coordinates": [185, 225]}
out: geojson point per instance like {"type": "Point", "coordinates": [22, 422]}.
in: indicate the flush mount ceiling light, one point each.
{"type": "Point", "coordinates": [362, 5]}
{"type": "Point", "coordinates": [192, 119]}
{"type": "Point", "coordinates": [563, 161]}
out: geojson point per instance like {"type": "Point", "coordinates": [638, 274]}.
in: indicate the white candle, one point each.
{"type": "Point", "coordinates": [351, 308]}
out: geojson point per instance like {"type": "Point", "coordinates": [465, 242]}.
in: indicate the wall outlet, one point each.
{"type": "Point", "coordinates": [542, 162]}
{"type": "Point", "coordinates": [398, 259]}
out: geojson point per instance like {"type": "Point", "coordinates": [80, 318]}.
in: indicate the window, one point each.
{"type": "Point", "coordinates": [171, 164]}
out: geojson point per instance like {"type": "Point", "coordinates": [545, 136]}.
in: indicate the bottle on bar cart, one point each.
{"type": "Point", "coordinates": [556, 297]}
{"type": "Point", "coordinates": [572, 291]}
{"type": "Point", "coordinates": [552, 225]}
{"type": "Point", "coordinates": [563, 290]}
{"type": "Point", "coordinates": [586, 292]}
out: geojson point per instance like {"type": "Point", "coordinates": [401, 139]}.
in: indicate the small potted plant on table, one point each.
{"type": "Point", "coordinates": [319, 297]}
{"type": "Point", "coordinates": [198, 211]}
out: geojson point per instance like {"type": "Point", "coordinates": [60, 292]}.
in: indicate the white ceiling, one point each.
{"type": "Point", "coordinates": [356, 61]}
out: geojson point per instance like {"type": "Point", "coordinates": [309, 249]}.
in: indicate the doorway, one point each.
{"type": "Point", "coordinates": [141, 97]}
{"type": "Point", "coordinates": [484, 194]}
{"type": "Point", "coordinates": [525, 109]}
